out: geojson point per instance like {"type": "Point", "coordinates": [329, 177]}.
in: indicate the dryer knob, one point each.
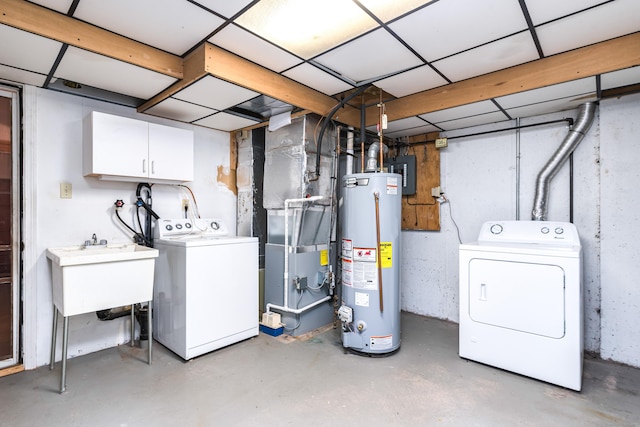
{"type": "Point", "coordinates": [215, 225]}
{"type": "Point", "coordinates": [559, 230]}
{"type": "Point", "coordinates": [544, 230]}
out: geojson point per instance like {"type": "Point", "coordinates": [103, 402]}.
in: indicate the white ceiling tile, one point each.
{"type": "Point", "coordinates": [317, 79]}
{"type": "Point", "coordinates": [171, 25]}
{"type": "Point", "coordinates": [545, 10]}
{"type": "Point", "coordinates": [306, 28]}
{"type": "Point", "coordinates": [225, 8]}
{"type": "Point", "coordinates": [498, 55]}
{"type": "Point", "coordinates": [387, 10]}
{"type": "Point", "coordinates": [562, 90]}
{"type": "Point", "coordinates": [21, 76]}
{"type": "Point", "coordinates": [355, 60]}
{"type": "Point", "coordinates": [466, 122]}
{"type": "Point", "coordinates": [550, 106]}
{"type": "Point", "coordinates": [397, 125]}
{"type": "Point", "coordinates": [462, 111]}
{"type": "Point", "coordinates": [61, 6]}
{"type": "Point", "coordinates": [241, 42]}
{"type": "Point", "coordinates": [27, 51]}
{"type": "Point", "coordinates": [604, 22]}
{"type": "Point", "coordinates": [176, 109]}
{"type": "Point", "coordinates": [225, 121]}
{"type": "Point", "coordinates": [419, 130]}
{"type": "Point", "coordinates": [447, 27]}
{"type": "Point", "coordinates": [412, 81]}
{"type": "Point", "coordinates": [625, 77]}
{"type": "Point", "coordinates": [215, 93]}
{"type": "Point", "coordinates": [110, 74]}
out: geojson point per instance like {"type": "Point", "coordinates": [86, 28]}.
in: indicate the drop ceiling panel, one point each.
{"type": "Point", "coordinates": [387, 10]}
{"type": "Point", "coordinates": [563, 90]}
{"type": "Point", "coordinates": [447, 27]}
{"type": "Point", "coordinates": [241, 42]}
{"type": "Point", "coordinates": [604, 22]}
{"type": "Point", "coordinates": [215, 93]}
{"type": "Point", "coordinates": [225, 8]}
{"type": "Point", "coordinates": [171, 25]}
{"type": "Point", "coordinates": [624, 77]}
{"type": "Point", "coordinates": [397, 125]}
{"type": "Point", "coordinates": [542, 11]}
{"type": "Point", "coordinates": [355, 60]}
{"type": "Point", "coordinates": [498, 55]}
{"type": "Point", "coordinates": [226, 122]}
{"type": "Point", "coordinates": [317, 79]}
{"type": "Point", "coordinates": [466, 122]}
{"type": "Point", "coordinates": [21, 76]}
{"type": "Point", "coordinates": [109, 74]}
{"type": "Point", "coordinates": [463, 111]}
{"type": "Point", "coordinates": [419, 130]}
{"type": "Point", "coordinates": [61, 6]}
{"type": "Point", "coordinates": [306, 28]}
{"type": "Point", "coordinates": [412, 81]}
{"type": "Point", "coordinates": [176, 109]}
{"type": "Point", "coordinates": [27, 51]}
{"type": "Point", "coordinates": [550, 106]}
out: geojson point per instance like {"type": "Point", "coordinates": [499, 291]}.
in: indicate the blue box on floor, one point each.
{"type": "Point", "coordinates": [271, 331]}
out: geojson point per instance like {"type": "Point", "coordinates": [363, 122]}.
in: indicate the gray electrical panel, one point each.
{"type": "Point", "coordinates": [405, 166]}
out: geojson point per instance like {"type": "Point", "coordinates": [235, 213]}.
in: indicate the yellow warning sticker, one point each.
{"type": "Point", "coordinates": [324, 257]}
{"type": "Point", "coordinates": [386, 254]}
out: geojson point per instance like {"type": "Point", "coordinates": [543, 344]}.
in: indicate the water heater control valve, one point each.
{"type": "Point", "coordinates": [345, 314]}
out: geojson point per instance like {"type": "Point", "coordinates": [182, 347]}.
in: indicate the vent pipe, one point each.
{"type": "Point", "coordinates": [372, 156]}
{"type": "Point", "coordinates": [580, 128]}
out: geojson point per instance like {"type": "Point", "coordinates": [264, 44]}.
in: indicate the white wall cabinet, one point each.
{"type": "Point", "coordinates": [125, 149]}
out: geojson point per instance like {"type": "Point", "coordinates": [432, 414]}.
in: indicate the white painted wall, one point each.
{"type": "Point", "coordinates": [478, 176]}
{"type": "Point", "coordinates": [54, 133]}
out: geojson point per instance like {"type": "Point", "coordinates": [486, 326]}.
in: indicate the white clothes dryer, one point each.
{"type": "Point", "coordinates": [521, 298]}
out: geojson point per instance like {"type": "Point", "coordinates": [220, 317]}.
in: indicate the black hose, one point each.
{"type": "Point", "coordinates": [327, 120]}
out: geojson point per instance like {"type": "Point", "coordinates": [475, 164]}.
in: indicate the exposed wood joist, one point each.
{"type": "Point", "coordinates": [604, 57]}
{"type": "Point", "coordinates": [57, 26]}
{"type": "Point", "coordinates": [212, 60]}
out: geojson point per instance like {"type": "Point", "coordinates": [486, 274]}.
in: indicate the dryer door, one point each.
{"type": "Point", "coordinates": [522, 296]}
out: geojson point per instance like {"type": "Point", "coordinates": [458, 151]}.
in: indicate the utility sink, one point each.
{"type": "Point", "coordinates": [87, 279]}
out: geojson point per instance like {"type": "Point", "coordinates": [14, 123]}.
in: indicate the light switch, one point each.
{"type": "Point", "coordinates": [65, 190]}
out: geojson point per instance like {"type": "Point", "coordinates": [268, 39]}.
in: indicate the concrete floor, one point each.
{"type": "Point", "coordinates": [267, 381]}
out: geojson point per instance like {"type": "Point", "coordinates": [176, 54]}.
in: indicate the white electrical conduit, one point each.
{"type": "Point", "coordinates": [349, 150]}
{"type": "Point", "coordinates": [287, 249]}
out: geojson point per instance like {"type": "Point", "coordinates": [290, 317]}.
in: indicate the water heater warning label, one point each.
{"type": "Point", "coordinates": [381, 343]}
{"type": "Point", "coordinates": [392, 185]}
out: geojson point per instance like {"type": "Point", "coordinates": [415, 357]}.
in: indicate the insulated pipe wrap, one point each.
{"type": "Point", "coordinates": [581, 126]}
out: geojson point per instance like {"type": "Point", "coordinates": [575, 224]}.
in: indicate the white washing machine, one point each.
{"type": "Point", "coordinates": [205, 286]}
{"type": "Point", "coordinates": [521, 300]}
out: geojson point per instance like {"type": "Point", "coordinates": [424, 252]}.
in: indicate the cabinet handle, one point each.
{"type": "Point", "coordinates": [144, 165]}
{"type": "Point", "coordinates": [153, 167]}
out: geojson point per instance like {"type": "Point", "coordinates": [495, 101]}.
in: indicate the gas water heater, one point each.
{"type": "Point", "coordinates": [370, 255]}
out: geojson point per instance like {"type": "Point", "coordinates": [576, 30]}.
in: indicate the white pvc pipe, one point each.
{"type": "Point", "coordinates": [285, 277]}
{"type": "Point", "coordinates": [297, 310]}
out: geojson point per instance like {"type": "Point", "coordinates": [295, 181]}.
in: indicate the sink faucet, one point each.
{"type": "Point", "coordinates": [94, 239]}
{"type": "Point", "coordinates": [94, 242]}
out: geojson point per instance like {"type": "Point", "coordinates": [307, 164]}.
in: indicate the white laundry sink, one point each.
{"type": "Point", "coordinates": [87, 279]}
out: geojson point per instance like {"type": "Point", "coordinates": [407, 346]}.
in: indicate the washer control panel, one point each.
{"type": "Point", "coordinates": [543, 232]}
{"type": "Point", "coordinates": [183, 227]}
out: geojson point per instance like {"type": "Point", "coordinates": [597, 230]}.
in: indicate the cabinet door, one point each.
{"type": "Point", "coordinates": [170, 153]}
{"type": "Point", "coordinates": [119, 146]}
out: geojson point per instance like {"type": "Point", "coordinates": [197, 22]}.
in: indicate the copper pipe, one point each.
{"type": "Point", "coordinates": [376, 195]}
{"type": "Point", "coordinates": [362, 157]}
{"type": "Point", "coordinates": [381, 105]}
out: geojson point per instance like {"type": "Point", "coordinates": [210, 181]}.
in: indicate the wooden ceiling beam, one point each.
{"type": "Point", "coordinates": [44, 22]}
{"type": "Point", "coordinates": [611, 55]}
{"type": "Point", "coordinates": [234, 69]}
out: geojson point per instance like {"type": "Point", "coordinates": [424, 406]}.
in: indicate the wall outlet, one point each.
{"type": "Point", "coordinates": [436, 191]}
{"type": "Point", "coordinates": [185, 204]}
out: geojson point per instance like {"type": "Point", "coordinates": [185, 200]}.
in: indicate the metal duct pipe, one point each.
{"type": "Point", "coordinates": [372, 156]}
{"type": "Point", "coordinates": [571, 141]}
